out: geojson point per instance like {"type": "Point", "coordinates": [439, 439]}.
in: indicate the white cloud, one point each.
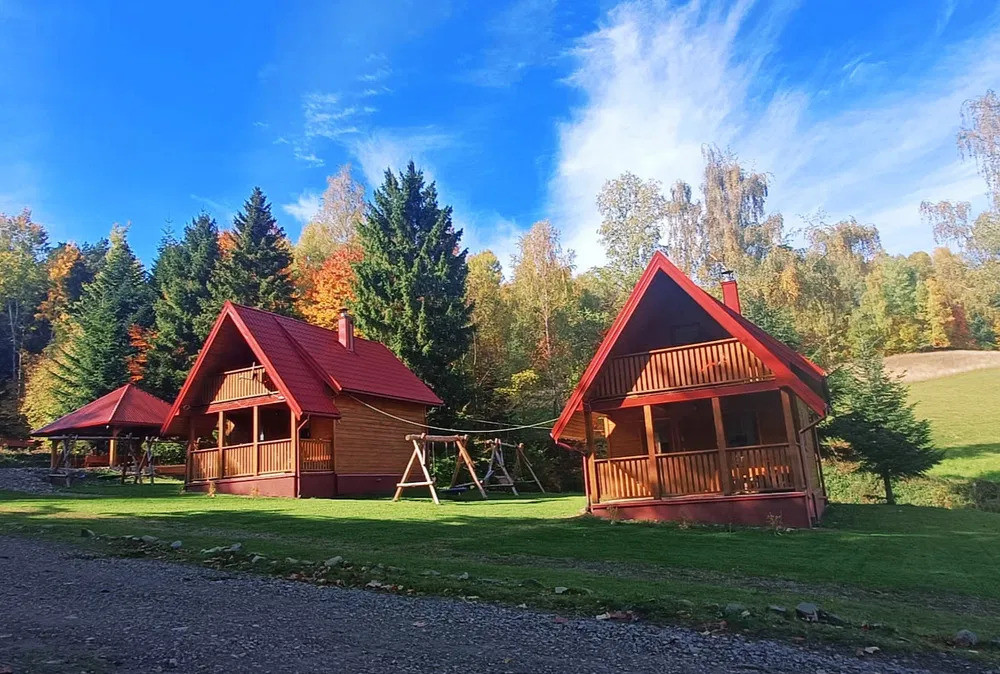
{"type": "Point", "coordinates": [521, 36]}
{"type": "Point", "coordinates": [660, 81]}
{"type": "Point", "coordinates": [394, 148]}
{"type": "Point", "coordinates": [305, 207]}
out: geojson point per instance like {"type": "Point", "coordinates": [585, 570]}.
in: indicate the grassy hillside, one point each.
{"type": "Point", "coordinates": [964, 411]}
{"type": "Point", "coordinates": [935, 364]}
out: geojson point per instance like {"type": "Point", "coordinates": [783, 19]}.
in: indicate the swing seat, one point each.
{"type": "Point", "coordinates": [457, 489]}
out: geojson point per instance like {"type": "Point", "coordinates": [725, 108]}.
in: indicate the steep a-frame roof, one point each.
{"type": "Point", "coordinates": [308, 364]}
{"type": "Point", "coordinates": [790, 368]}
{"type": "Point", "coordinates": [126, 406]}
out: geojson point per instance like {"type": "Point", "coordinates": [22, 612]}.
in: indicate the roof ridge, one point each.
{"type": "Point", "coordinates": [114, 410]}
{"type": "Point", "coordinates": [299, 321]}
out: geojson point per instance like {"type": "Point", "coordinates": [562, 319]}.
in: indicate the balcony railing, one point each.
{"type": "Point", "coordinates": [751, 470]}
{"type": "Point", "coordinates": [247, 382]}
{"type": "Point", "coordinates": [262, 458]}
{"type": "Point", "coordinates": [726, 361]}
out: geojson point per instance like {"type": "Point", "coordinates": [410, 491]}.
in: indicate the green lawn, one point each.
{"type": "Point", "coordinates": [919, 573]}
{"type": "Point", "coordinates": [964, 410]}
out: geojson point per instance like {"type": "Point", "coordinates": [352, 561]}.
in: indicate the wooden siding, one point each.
{"type": "Point", "coordinates": [246, 382]}
{"type": "Point", "coordinates": [707, 364]}
{"type": "Point", "coordinates": [368, 442]}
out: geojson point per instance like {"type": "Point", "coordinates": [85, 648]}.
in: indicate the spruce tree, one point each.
{"type": "Point", "coordinates": [255, 262]}
{"type": "Point", "coordinates": [871, 413]}
{"type": "Point", "coordinates": [99, 350]}
{"type": "Point", "coordinates": [410, 283]}
{"type": "Point", "coordinates": [183, 304]}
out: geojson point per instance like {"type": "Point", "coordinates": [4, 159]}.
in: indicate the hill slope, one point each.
{"type": "Point", "coordinates": [931, 365]}
{"type": "Point", "coordinates": [964, 411]}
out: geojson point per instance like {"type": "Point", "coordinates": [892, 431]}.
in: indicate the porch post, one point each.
{"type": "Point", "coordinates": [653, 472]}
{"type": "Point", "coordinates": [256, 439]}
{"type": "Point", "coordinates": [725, 474]}
{"type": "Point", "coordinates": [113, 448]}
{"type": "Point", "coordinates": [192, 444]}
{"type": "Point", "coordinates": [593, 490]}
{"type": "Point", "coordinates": [295, 451]}
{"type": "Point", "coordinates": [794, 455]}
{"type": "Point", "coordinates": [222, 442]}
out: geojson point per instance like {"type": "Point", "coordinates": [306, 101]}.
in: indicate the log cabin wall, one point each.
{"type": "Point", "coordinates": [371, 443]}
{"type": "Point", "coordinates": [625, 432]}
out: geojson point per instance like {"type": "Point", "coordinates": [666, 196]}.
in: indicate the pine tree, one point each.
{"type": "Point", "coordinates": [871, 413]}
{"type": "Point", "coordinates": [183, 307]}
{"type": "Point", "coordinates": [410, 284]}
{"type": "Point", "coordinates": [96, 359]}
{"type": "Point", "coordinates": [254, 269]}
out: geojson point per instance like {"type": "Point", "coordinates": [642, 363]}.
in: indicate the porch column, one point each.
{"type": "Point", "coordinates": [794, 455]}
{"type": "Point", "coordinates": [653, 472]}
{"type": "Point", "coordinates": [222, 442]}
{"type": "Point", "coordinates": [725, 474]}
{"type": "Point", "coordinates": [593, 490]}
{"type": "Point", "coordinates": [256, 439]}
{"type": "Point", "coordinates": [295, 451]}
{"type": "Point", "coordinates": [113, 448]}
{"type": "Point", "coordinates": [192, 444]}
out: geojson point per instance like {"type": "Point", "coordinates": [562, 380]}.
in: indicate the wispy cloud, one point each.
{"type": "Point", "coordinates": [659, 81]}
{"type": "Point", "coordinates": [305, 207]}
{"type": "Point", "coordinates": [220, 210]}
{"type": "Point", "coordinates": [521, 36]}
{"type": "Point", "coordinates": [376, 75]}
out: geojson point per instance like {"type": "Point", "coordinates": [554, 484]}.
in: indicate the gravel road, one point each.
{"type": "Point", "coordinates": [66, 610]}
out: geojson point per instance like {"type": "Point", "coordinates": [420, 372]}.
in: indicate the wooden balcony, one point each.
{"type": "Point", "coordinates": [262, 458]}
{"type": "Point", "coordinates": [707, 364]}
{"type": "Point", "coordinates": [750, 470]}
{"type": "Point", "coordinates": [247, 382]}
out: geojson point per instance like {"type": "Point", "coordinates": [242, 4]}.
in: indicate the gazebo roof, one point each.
{"type": "Point", "coordinates": [125, 407]}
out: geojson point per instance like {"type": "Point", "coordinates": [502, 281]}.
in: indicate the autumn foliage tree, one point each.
{"type": "Point", "coordinates": [331, 286]}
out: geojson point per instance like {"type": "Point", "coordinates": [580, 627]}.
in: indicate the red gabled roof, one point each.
{"type": "Point", "coordinates": [309, 364]}
{"type": "Point", "coordinates": [123, 407]}
{"type": "Point", "coordinates": [790, 368]}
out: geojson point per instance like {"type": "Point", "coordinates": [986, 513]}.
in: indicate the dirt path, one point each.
{"type": "Point", "coordinates": [63, 610]}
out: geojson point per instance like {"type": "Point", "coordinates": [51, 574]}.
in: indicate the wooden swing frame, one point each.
{"type": "Point", "coordinates": [419, 456]}
{"type": "Point", "coordinates": [497, 461]}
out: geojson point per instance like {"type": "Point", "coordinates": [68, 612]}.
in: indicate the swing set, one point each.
{"type": "Point", "coordinates": [497, 475]}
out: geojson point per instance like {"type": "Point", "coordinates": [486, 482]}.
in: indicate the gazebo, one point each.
{"type": "Point", "coordinates": [126, 415]}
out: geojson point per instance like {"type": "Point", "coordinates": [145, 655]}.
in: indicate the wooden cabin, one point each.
{"type": "Point", "coordinates": [689, 411]}
{"type": "Point", "coordinates": [112, 427]}
{"type": "Point", "coordinates": [278, 407]}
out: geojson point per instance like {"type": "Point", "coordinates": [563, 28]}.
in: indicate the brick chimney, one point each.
{"type": "Point", "coordinates": [345, 330]}
{"type": "Point", "coordinates": [731, 293]}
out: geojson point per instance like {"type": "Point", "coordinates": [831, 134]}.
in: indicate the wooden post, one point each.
{"type": "Point", "coordinates": [794, 455]}
{"type": "Point", "coordinates": [295, 453]}
{"type": "Point", "coordinates": [191, 446]}
{"type": "Point", "coordinates": [53, 454]}
{"type": "Point", "coordinates": [222, 443]}
{"type": "Point", "coordinates": [593, 488]}
{"type": "Point", "coordinates": [725, 474]}
{"type": "Point", "coordinates": [113, 449]}
{"type": "Point", "coordinates": [256, 439]}
{"type": "Point", "coordinates": [653, 472]}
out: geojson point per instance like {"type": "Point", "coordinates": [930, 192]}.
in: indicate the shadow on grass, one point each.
{"type": "Point", "coordinates": [903, 547]}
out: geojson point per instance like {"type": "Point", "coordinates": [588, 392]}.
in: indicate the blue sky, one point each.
{"type": "Point", "coordinates": [148, 113]}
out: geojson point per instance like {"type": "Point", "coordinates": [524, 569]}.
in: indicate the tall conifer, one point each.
{"type": "Point", "coordinates": [184, 312]}
{"type": "Point", "coordinates": [96, 359]}
{"type": "Point", "coordinates": [410, 285]}
{"type": "Point", "coordinates": [256, 258]}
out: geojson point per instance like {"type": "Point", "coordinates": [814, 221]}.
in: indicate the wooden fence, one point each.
{"type": "Point", "coordinates": [726, 361]}
{"type": "Point", "coordinates": [761, 468]}
{"type": "Point", "coordinates": [273, 456]}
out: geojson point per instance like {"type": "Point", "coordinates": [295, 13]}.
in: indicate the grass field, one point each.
{"type": "Point", "coordinates": [900, 576]}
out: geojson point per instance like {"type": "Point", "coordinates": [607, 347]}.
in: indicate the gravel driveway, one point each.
{"type": "Point", "coordinates": [65, 610]}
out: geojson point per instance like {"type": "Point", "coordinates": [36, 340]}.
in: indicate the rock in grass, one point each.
{"type": "Point", "coordinates": [780, 610]}
{"type": "Point", "coordinates": [176, 545]}
{"type": "Point", "coordinates": [256, 558]}
{"type": "Point", "coordinates": [807, 611]}
{"type": "Point", "coordinates": [463, 576]}
{"type": "Point", "coordinates": [211, 551]}
{"type": "Point", "coordinates": [336, 560]}
{"type": "Point", "coordinates": [235, 547]}
{"type": "Point", "coordinates": [561, 590]}
{"type": "Point", "coordinates": [87, 533]}
{"type": "Point", "coordinates": [830, 618]}
{"type": "Point", "coordinates": [734, 608]}
{"type": "Point", "coordinates": [965, 639]}
{"type": "Point", "coordinates": [149, 539]}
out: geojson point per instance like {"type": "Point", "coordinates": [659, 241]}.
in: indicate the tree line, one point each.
{"type": "Point", "coordinates": [82, 319]}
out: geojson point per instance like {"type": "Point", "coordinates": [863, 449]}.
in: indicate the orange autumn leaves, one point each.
{"type": "Point", "coordinates": [325, 290]}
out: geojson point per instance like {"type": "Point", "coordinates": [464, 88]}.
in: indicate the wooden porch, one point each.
{"type": "Point", "coordinates": [273, 457]}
